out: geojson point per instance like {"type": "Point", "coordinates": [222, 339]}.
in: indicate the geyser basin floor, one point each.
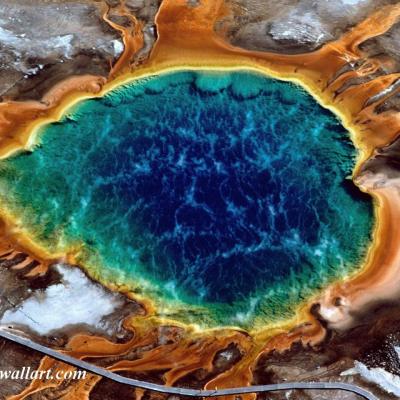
{"type": "Point", "coordinates": [224, 197]}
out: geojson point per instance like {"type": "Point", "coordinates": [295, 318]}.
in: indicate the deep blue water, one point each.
{"type": "Point", "coordinates": [216, 187]}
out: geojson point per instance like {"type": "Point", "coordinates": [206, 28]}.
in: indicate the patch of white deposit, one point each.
{"type": "Point", "coordinates": [118, 47]}
{"type": "Point", "coordinates": [353, 2]}
{"type": "Point", "coordinates": [397, 350]}
{"type": "Point", "coordinates": [73, 301]}
{"type": "Point", "coordinates": [300, 27]}
{"type": "Point", "coordinates": [387, 381]}
{"type": "Point", "coordinates": [63, 43]}
{"type": "Point", "coordinates": [22, 44]}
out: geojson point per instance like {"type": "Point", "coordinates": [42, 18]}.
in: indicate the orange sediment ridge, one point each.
{"type": "Point", "coordinates": [187, 40]}
{"type": "Point", "coordinates": [18, 118]}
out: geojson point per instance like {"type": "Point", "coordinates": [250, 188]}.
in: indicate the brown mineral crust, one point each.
{"type": "Point", "coordinates": [385, 46]}
{"type": "Point", "coordinates": [46, 42]}
{"type": "Point", "coordinates": [385, 161]}
{"type": "Point", "coordinates": [15, 357]}
{"type": "Point", "coordinates": [15, 286]}
{"type": "Point", "coordinates": [110, 390]}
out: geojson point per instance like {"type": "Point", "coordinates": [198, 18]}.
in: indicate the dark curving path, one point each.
{"type": "Point", "coordinates": [184, 391]}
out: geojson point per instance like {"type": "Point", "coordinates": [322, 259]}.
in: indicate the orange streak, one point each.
{"type": "Point", "coordinates": [132, 37]}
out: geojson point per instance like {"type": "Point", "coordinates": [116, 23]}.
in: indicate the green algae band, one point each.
{"type": "Point", "coordinates": [223, 194]}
